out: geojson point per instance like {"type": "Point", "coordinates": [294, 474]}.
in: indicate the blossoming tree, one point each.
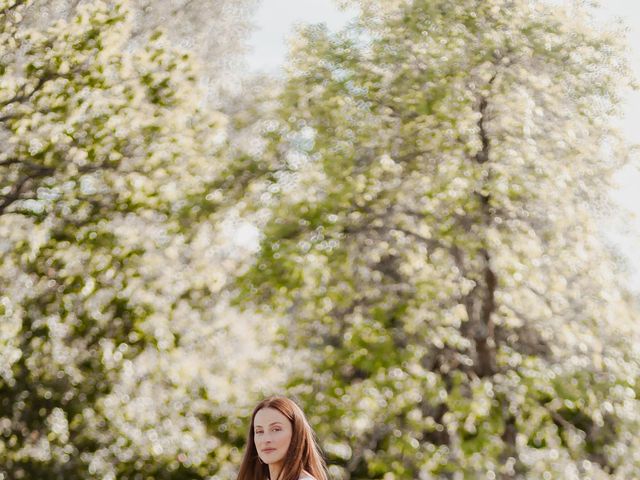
{"type": "Point", "coordinates": [111, 344]}
{"type": "Point", "coordinates": [434, 176]}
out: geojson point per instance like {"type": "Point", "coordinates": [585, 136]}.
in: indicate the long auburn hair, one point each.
{"type": "Point", "coordinates": [303, 453]}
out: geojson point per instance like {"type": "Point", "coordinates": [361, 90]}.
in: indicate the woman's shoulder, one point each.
{"type": "Point", "coordinates": [306, 476]}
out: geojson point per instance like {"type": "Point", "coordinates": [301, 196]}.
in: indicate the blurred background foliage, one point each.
{"type": "Point", "coordinates": [401, 234]}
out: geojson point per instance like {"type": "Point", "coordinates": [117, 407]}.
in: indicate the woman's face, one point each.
{"type": "Point", "coordinates": [272, 435]}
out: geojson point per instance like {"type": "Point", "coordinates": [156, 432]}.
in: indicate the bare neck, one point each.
{"type": "Point", "coordinates": [274, 470]}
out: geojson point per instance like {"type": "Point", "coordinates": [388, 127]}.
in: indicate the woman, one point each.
{"type": "Point", "coordinates": [281, 445]}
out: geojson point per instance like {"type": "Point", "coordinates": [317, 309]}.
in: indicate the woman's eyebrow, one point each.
{"type": "Point", "coordinates": [272, 423]}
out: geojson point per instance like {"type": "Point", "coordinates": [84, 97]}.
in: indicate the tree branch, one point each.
{"type": "Point", "coordinates": [16, 191]}
{"type": "Point", "coordinates": [9, 161]}
{"type": "Point", "coordinates": [21, 96]}
{"type": "Point", "coordinates": [15, 5]}
{"type": "Point", "coordinates": [14, 194]}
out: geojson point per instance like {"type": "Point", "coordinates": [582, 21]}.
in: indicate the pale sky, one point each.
{"type": "Point", "coordinates": [275, 20]}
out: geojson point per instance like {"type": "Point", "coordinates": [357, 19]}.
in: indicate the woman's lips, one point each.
{"type": "Point", "coordinates": [268, 450]}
